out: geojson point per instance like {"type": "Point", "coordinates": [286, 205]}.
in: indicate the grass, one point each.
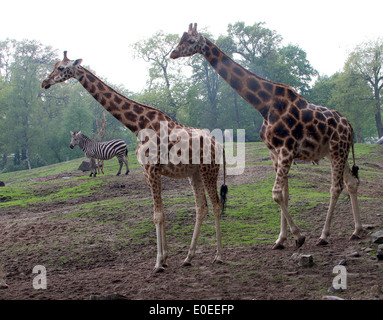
{"type": "Point", "coordinates": [251, 217]}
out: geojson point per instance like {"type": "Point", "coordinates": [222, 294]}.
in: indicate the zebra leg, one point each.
{"type": "Point", "coordinates": [126, 164]}
{"type": "Point", "coordinates": [119, 170]}
{"type": "Point", "coordinates": [93, 167]}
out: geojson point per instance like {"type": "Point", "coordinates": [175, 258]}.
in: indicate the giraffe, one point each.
{"type": "Point", "coordinates": [141, 118]}
{"type": "Point", "coordinates": [292, 128]}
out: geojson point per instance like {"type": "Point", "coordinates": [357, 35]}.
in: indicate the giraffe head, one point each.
{"type": "Point", "coordinates": [63, 71]}
{"type": "Point", "coordinates": [75, 139]}
{"type": "Point", "coordinates": [191, 43]}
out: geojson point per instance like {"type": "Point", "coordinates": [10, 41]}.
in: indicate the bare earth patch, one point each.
{"type": "Point", "coordinates": [95, 253]}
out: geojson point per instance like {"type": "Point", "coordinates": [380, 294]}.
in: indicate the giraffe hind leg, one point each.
{"type": "Point", "coordinates": [210, 181]}
{"type": "Point", "coordinates": [352, 182]}
{"type": "Point", "coordinates": [337, 185]}
{"type": "Point", "coordinates": [201, 212]}
{"type": "Point", "coordinates": [281, 196]}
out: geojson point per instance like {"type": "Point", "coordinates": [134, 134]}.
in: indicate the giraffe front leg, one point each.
{"type": "Point", "coordinates": [153, 179]}
{"type": "Point", "coordinates": [278, 245]}
{"type": "Point", "coordinates": [162, 255]}
{"type": "Point", "coordinates": [280, 196]}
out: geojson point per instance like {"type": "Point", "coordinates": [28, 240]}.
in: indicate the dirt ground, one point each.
{"type": "Point", "coordinates": [103, 267]}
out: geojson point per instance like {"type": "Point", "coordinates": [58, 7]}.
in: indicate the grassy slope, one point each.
{"type": "Point", "coordinates": [251, 213]}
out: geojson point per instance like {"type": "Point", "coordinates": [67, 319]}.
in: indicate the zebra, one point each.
{"type": "Point", "coordinates": [100, 150]}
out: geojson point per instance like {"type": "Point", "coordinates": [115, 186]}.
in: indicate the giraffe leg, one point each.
{"type": "Point", "coordinates": [210, 181]}
{"type": "Point", "coordinates": [352, 188]}
{"type": "Point", "coordinates": [337, 169]}
{"type": "Point", "coordinates": [153, 179]}
{"type": "Point", "coordinates": [280, 196]}
{"type": "Point", "coordinates": [283, 233]}
{"type": "Point", "coordinates": [201, 212]}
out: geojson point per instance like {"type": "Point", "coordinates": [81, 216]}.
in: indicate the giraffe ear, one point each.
{"type": "Point", "coordinates": [76, 62]}
{"type": "Point", "coordinates": [71, 132]}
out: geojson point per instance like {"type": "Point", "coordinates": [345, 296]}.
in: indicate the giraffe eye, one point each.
{"type": "Point", "coordinates": [191, 41]}
{"type": "Point", "coordinates": [60, 68]}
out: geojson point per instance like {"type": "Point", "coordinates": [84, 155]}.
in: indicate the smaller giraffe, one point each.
{"type": "Point", "coordinates": [201, 153]}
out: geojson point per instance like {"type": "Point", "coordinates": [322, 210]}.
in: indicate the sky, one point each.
{"type": "Point", "coordinates": [102, 33]}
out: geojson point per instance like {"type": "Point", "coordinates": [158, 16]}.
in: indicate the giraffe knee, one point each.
{"type": "Point", "coordinates": [352, 187]}
{"type": "Point", "coordinates": [277, 196]}
{"type": "Point", "coordinates": [158, 218]}
{"type": "Point", "coordinates": [352, 184]}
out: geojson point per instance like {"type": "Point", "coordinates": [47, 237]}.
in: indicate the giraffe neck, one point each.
{"type": "Point", "coordinates": [259, 92]}
{"type": "Point", "coordinates": [133, 115]}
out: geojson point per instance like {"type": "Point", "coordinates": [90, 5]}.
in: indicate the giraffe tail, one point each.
{"type": "Point", "coordinates": [224, 188]}
{"type": "Point", "coordinates": [355, 168]}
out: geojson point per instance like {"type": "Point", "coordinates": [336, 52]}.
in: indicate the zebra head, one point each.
{"type": "Point", "coordinates": [62, 71]}
{"type": "Point", "coordinates": [76, 137]}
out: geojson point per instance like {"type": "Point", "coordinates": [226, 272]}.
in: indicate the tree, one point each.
{"type": "Point", "coordinates": [255, 44]}
{"type": "Point", "coordinates": [262, 53]}
{"type": "Point", "coordinates": [349, 96]}
{"type": "Point", "coordinates": [24, 120]}
{"type": "Point", "coordinates": [162, 75]}
{"type": "Point", "coordinates": [367, 62]}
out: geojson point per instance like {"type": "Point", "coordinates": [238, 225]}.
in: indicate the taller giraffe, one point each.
{"type": "Point", "coordinates": [292, 129]}
{"type": "Point", "coordinates": [159, 130]}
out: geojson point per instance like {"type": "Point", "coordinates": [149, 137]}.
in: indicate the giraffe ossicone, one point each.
{"type": "Point", "coordinates": [293, 128]}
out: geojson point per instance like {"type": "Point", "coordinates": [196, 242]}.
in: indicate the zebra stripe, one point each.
{"type": "Point", "coordinates": [101, 150]}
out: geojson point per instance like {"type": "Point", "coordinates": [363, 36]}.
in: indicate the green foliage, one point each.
{"type": "Point", "coordinates": [35, 123]}
{"type": "Point", "coordinates": [366, 63]}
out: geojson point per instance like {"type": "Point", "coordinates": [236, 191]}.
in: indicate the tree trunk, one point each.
{"type": "Point", "coordinates": [378, 116]}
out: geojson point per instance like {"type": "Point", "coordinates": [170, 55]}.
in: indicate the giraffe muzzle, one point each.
{"type": "Point", "coordinates": [45, 84]}
{"type": "Point", "coordinates": [174, 55]}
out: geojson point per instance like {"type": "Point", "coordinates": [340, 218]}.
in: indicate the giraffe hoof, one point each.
{"type": "Point", "coordinates": [159, 270]}
{"type": "Point", "coordinates": [218, 261]}
{"type": "Point", "coordinates": [299, 243]}
{"type": "Point", "coordinates": [277, 246]}
{"type": "Point", "coordinates": [165, 265]}
{"type": "Point", "coordinates": [354, 237]}
{"type": "Point", "coordinates": [322, 242]}
{"type": "Point", "coordinates": [3, 285]}
{"type": "Point", "coordinates": [186, 264]}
